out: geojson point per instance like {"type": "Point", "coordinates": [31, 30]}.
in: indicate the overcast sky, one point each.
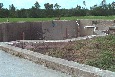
{"type": "Point", "coordinates": [63, 3]}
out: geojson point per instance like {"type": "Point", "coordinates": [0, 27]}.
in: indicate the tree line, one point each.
{"type": "Point", "coordinates": [53, 10]}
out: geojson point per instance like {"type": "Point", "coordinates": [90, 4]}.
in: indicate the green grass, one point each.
{"type": "Point", "coordinates": [62, 18]}
{"type": "Point", "coordinates": [98, 52]}
{"type": "Point", "coordinates": [25, 19]}
{"type": "Point", "coordinates": [106, 47]}
{"type": "Point", "coordinates": [90, 17]}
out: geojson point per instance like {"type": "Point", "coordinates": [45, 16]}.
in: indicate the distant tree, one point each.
{"type": "Point", "coordinates": [12, 7]}
{"type": "Point", "coordinates": [48, 6]}
{"type": "Point", "coordinates": [37, 6]}
{"type": "Point", "coordinates": [4, 13]}
{"type": "Point", "coordinates": [12, 10]}
{"type": "Point", "coordinates": [35, 10]}
{"type": "Point", "coordinates": [1, 5]}
{"type": "Point", "coordinates": [81, 11]}
{"type": "Point", "coordinates": [57, 10]}
{"type": "Point", "coordinates": [78, 10]}
{"type": "Point", "coordinates": [56, 6]}
{"type": "Point", "coordinates": [49, 9]}
{"type": "Point", "coordinates": [33, 13]}
{"type": "Point", "coordinates": [22, 13]}
{"type": "Point", "coordinates": [113, 4]}
{"type": "Point", "coordinates": [111, 9]}
{"type": "Point", "coordinates": [103, 2]}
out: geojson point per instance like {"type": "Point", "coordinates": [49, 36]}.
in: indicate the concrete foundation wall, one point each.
{"type": "Point", "coordinates": [104, 24]}
{"type": "Point", "coordinates": [36, 31]}
{"type": "Point", "coordinates": [69, 67]}
{"type": "Point", "coordinates": [48, 30]}
{"type": "Point", "coordinates": [89, 31]}
{"type": "Point", "coordinates": [51, 30]}
{"type": "Point", "coordinates": [100, 24]}
{"type": "Point", "coordinates": [59, 30]}
{"type": "Point", "coordinates": [1, 33]}
{"type": "Point", "coordinates": [15, 31]}
{"type": "Point", "coordinates": [84, 23]}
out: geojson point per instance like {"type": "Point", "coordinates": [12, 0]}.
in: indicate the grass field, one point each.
{"type": "Point", "coordinates": [62, 18]}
